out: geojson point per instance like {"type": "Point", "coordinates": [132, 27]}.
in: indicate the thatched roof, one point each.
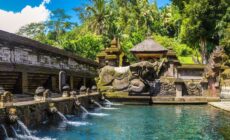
{"type": "Point", "coordinates": [148, 45]}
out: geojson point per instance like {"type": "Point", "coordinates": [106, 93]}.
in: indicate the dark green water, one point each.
{"type": "Point", "coordinates": [158, 122]}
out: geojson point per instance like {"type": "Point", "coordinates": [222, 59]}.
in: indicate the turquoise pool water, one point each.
{"type": "Point", "coordinates": [136, 122]}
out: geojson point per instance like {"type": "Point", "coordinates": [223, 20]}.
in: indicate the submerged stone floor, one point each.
{"type": "Point", "coordinates": [224, 105]}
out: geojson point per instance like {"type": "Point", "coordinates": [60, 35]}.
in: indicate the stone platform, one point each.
{"type": "Point", "coordinates": [224, 105]}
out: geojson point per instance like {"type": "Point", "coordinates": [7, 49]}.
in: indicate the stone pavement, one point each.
{"type": "Point", "coordinates": [225, 105]}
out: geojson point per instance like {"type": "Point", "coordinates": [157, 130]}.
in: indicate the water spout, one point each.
{"type": "Point", "coordinates": [14, 131]}
{"type": "Point", "coordinates": [64, 119]}
{"type": "Point", "coordinates": [26, 137]}
{"type": "Point", "coordinates": [84, 109]}
{"type": "Point", "coordinates": [67, 109]}
{"type": "Point", "coordinates": [4, 130]}
{"type": "Point", "coordinates": [101, 107]}
{"type": "Point", "coordinates": [24, 128]}
{"type": "Point", "coordinates": [62, 116]}
{"type": "Point", "coordinates": [89, 113]}
{"type": "Point", "coordinates": [96, 103]}
{"type": "Point", "coordinates": [108, 102]}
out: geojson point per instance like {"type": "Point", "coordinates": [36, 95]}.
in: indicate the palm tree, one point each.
{"type": "Point", "coordinates": [97, 16]}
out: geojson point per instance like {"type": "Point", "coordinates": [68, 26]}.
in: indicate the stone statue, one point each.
{"type": "Point", "coordinates": [82, 90]}
{"type": "Point", "coordinates": [212, 71]}
{"type": "Point", "coordinates": [52, 108]}
{"type": "Point", "coordinates": [66, 91]}
{"type": "Point", "coordinates": [135, 78]}
{"type": "Point", "coordinates": [73, 94]}
{"type": "Point", "coordinates": [6, 98]}
{"type": "Point", "coordinates": [12, 116]}
{"type": "Point", "coordinates": [42, 94]}
{"type": "Point", "coordinates": [94, 88]}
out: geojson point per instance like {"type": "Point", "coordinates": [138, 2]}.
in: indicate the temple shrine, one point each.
{"type": "Point", "coordinates": [113, 55]}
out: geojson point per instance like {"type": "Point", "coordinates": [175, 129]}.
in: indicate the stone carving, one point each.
{"type": "Point", "coordinates": [167, 87]}
{"type": "Point", "coordinates": [42, 94]}
{"type": "Point", "coordinates": [135, 78]}
{"type": "Point", "coordinates": [23, 55]}
{"type": "Point", "coordinates": [212, 70]}
{"type": "Point", "coordinates": [94, 88]}
{"type": "Point", "coordinates": [83, 90]}
{"type": "Point", "coordinates": [52, 108]}
{"type": "Point", "coordinates": [136, 86]}
{"type": "Point", "coordinates": [12, 116]}
{"type": "Point", "coordinates": [193, 89]}
{"type": "Point", "coordinates": [5, 54]}
{"type": "Point", "coordinates": [73, 94]}
{"type": "Point", "coordinates": [6, 98]}
{"type": "Point", "coordinates": [66, 91]}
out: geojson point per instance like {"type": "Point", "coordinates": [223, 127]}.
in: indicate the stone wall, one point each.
{"type": "Point", "coordinates": [34, 113]}
{"type": "Point", "coordinates": [24, 55]}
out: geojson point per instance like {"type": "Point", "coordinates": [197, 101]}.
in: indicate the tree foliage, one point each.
{"type": "Point", "coordinates": [191, 27]}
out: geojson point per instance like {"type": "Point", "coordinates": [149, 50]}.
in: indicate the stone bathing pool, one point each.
{"type": "Point", "coordinates": [141, 122]}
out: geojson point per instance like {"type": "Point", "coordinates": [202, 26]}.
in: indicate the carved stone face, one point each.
{"type": "Point", "coordinates": [12, 111]}
{"type": "Point", "coordinates": [52, 108]}
{"type": "Point", "coordinates": [39, 91]}
{"type": "Point", "coordinates": [12, 117]}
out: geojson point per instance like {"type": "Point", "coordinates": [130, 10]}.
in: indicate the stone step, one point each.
{"type": "Point", "coordinates": [225, 100]}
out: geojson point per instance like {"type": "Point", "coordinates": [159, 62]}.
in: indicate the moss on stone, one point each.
{"type": "Point", "coordinates": [120, 94]}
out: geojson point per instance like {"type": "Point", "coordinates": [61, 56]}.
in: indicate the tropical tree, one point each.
{"type": "Point", "coordinates": [59, 24]}
{"type": "Point", "coordinates": [97, 15]}
{"type": "Point", "coordinates": [200, 19]}
{"type": "Point", "coordinates": [34, 31]}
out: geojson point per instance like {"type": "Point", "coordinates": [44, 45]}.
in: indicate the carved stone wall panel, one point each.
{"type": "Point", "coordinates": [193, 88]}
{"type": "Point", "coordinates": [167, 88]}
{"type": "Point", "coordinates": [24, 55]}
{"type": "Point", "coordinates": [5, 54]}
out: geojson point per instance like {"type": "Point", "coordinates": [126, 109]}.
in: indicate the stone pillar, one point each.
{"type": "Point", "coordinates": [204, 85]}
{"type": "Point", "coordinates": [24, 82]}
{"type": "Point", "coordinates": [71, 82]}
{"type": "Point", "coordinates": [62, 80]}
{"type": "Point", "coordinates": [54, 83]}
{"type": "Point", "coordinates": [179, 84]}
{"type": "Point", "coordinates": [84, 82]}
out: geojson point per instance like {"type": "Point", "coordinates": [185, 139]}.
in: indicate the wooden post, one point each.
{"type": "Point", "coordinates": [24, 82]}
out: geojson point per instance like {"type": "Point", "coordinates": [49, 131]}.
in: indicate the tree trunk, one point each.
{"type": "Point", "coordinates": [203, 50]}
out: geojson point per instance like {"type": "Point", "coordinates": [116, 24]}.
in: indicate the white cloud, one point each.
{"type": "Point", "coordinates": [12, 21]}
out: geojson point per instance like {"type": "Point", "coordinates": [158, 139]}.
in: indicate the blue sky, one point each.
{"type": "Point", "coordinates": [26, 11]}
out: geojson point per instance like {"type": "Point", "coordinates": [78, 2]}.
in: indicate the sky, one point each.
{"type": "Point", "coordinates": [17, 13]}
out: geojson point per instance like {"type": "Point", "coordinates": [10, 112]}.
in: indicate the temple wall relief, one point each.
{"type": "Point", "coordinates": [25, 56]}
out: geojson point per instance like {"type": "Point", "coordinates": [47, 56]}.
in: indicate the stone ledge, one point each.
{"type": "Point", "coordinates": [162, 100]}
{"type": "Point", "coordinates": [224, 105]}
{"type": "Point", "coordinates": [58, 99]}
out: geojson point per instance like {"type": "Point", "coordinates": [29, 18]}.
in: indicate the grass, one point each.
{"type": "Point", "coordinates": [186, 60]}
